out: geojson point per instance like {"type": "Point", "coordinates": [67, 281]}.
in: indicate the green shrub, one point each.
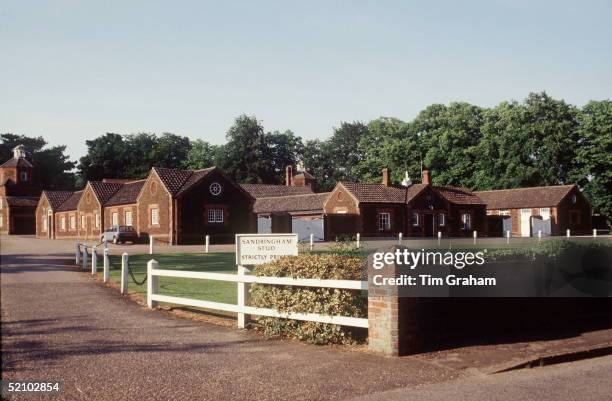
{"type": "Point", "coordinates": [326, 301]}
{"type": "Point", "coordinates": [554, 248]}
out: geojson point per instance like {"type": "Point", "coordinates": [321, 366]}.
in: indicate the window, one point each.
{"type": "Point", "coordinates": [63, 224]}
{"type": "Point", "coordinates": [24, 176]}
{"type": "Point", "coordinates": [44, 223]}
{"type": "Point", "coordinates": [504, 212]}
{"type": "Point", "coordinates": [466, 221]}
{"type": "Point", "coordinates": [128, 218]}
{"type": "Point", "coordinates": [155, 217]}
{"type": "Point", "coordinates": [97, 220]}
{"type": "Point", "coordinates": [545, 213]}
{"type": "Point", "coordinates": [1, 221]}
{"type": "Point", "coordinates": [83, 221]}
{"type": "Point", "coordinates": [72, 222]}
{"type": "Point", "coordinates": [384, 221]}
{"type": "Point", "coordinates": [574, 217]}
{"type": "Point", "coordinates": [215, 215]}
{"type": "Point", "coordinates": [415, 219]}
{"type": "Point", "coordinates": [115, 219]}
{"type": "Point", "coordinates": [441, 219]}
{"type": "Point", "coordinates": [1, 203]}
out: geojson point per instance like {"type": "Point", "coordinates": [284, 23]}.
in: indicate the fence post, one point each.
{"type": "Point", "coordinates": [439, 237]}
{"type": "Point", "coordinates": [358, 240]}
{"type": "Point", "coordinates": [84, 255]}
{"type": "Point", "coordinates": [311, 241]}
{"type": "Point", "coordinates": [567, 233]}
{"type": "Point", "coordinates": [77, 253]}
{"type": "Point", "coordinates": [105, 243]}
{"type": "Point", "coordinates": [150, 245]}
{"type": "Point", "coordinates": [207, 243]}
{"type": "Point", "coordinates": [475, 236]}
{"type": "Point", "coordinates": [152, 283]}
{"type": "Point", "coordinates": [106, 266]}
{"type": "Point", "coordinates": [94, 261]}
{"type": "Point", "coordinates": [399, 238]}
{"type": "Point", "coordinates": [243, 297]}
{"type": "Point", "coordinates": [539, 235]}
{"type": "Point", "coordinates": [508, 236]}
{"type": "Point", "coordinates": [124, 273]}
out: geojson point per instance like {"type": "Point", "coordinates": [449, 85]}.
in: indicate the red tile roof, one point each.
{"type": "Point", "coordinates": [173, 179]}
{"type": "Point", "coordinates": [294, 203]}
{"type": "Point", "coordinates": [21, 162]}
{"type": "Point", "coordinates": [104, 190]}
{"type": "Point", "coordinates": [71, 203]}
{"type": "Point", "coordinates": [459, 196]}
{"type": "Point", "coordinates": [269, 190]}
{"type": "Point", "coordinates": [525, 197]}
{"type": "Point", "coordinates": [22, 201]}
{"type": "Point", "coordinates": [193, 179]}
{"type": "Point", "coordinates": [56, 198]}
{"type": "Point", "coordinates": [127, 194]}
{"type": "Point", "coordinates": [379, 193]}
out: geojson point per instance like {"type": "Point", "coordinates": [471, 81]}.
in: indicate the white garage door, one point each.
{"type": "Point", "coordinates": [264, 225]}
{"type": "Point", "coordinates": [303, 227]}
{"type": "Point", "coordinates": [525, 222]}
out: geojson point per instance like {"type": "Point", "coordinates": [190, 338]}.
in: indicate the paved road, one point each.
{"type": "Point", "coordinates": [58, 324]}
{"type": "Point", "coordinates": [583, 380]}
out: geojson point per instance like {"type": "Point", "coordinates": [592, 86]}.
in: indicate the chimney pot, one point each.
{"type": "Point", "coordinates": [386, 180]}
{"type": "Point", "coordinates": [425, 177]}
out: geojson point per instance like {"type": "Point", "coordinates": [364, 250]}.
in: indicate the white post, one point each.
{"type": "Point", "coordinates": [94, 261]}
{"type": "Point", "coordinates": [539, 235]}
{"type": "Point", "coordinates": [475, 236]}
{"type": "Point", "coordinates": [399, 239]}
{"type": "Point", "coordinates": [439, 237]}
{"type": "Point", "coordinates": [105, 243]}
{"type": "Point", "coordinates": [84, 256]}
{"type": "Point", "coordinates": [508, 236]}
{"type": "Point", "coordinates": [243, 297]}
{"type": "Point", "coordinates": [77, 253]}
{"type": "Point", "coordinates": [124, 273]}
{"type": "Point", "coordinates": [207, 243]}
{"type": "Point", "coordinates": [150, 245]}
{"type": "Point", "coordinates": [567, 233]}
{"type": "Point", "coordinates": [358, 240]}
{"type": "Point", "coordinates": [311, 241]}
{"type": "Point", "coordinates": [106, 274]}
{"type": "Point", "coordinates": [594, 233]}
{"type": "Point", "coordinates": [152, 283]}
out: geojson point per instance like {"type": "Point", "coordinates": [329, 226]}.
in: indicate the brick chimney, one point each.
{"type": "Point", "coordinates": [288, 176]}
{"type": "Point", "coordinates": [425, 177]}
{"type": "Point", "coordinates": [386, 177]}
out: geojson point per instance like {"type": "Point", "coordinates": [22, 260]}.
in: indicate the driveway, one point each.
{"type": "Point", "coordinates": [58, 324]}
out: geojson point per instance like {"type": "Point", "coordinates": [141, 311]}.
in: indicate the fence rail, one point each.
{"type": "Point", "coordinates": [243, 280]}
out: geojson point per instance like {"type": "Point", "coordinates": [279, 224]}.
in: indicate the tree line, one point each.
{"type": "Point", "coordinates": [539, 141]}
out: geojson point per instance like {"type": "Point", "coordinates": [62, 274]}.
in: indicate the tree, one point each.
{"type": "Point", "coordinates": [343, 148]}
{"type": "Point", "coordinates": [170, 150]}
{"type": "Point", "coordinates": [53, 167]}
{"type": "Point", "coordinates": [202, 155]}
{"type": "Point", "coordinates": [282, 149]}
{"type": "Point", "coordinates": [317, 159]}
{"type": "Point", "coordinates": [106, 157]}
{"type": "Point", "coordinates": [593, 170]}
{"type": "Point", "coordinates": [242, 157]}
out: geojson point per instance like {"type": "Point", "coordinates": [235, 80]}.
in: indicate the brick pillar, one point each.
{"type": "Point", "coordinates": [394, 321]}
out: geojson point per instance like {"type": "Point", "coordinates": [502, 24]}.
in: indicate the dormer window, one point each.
{"type": "Point", "coordinates": [23, 176]}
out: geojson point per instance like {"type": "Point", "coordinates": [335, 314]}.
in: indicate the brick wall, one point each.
{"type": "Point", "coordinates": [154, 196]}
{"type": "Point", "coordinates": [89, 209]}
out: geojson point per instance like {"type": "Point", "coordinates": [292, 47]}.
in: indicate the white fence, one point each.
{"type": "Point", "coordinates": [243, 281]}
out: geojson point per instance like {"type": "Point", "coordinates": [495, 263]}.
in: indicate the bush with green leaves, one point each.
{"type": "Point", "coordinates": [553, 248]}
{"type": "Point", "coordinates": [325, 301]}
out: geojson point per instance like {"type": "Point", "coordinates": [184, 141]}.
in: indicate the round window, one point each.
{"type": "Point", "coordinates": [340, 195]}
{"type": "Point", "coordinates": [88, 198]}
{"type": "Point", "coordinates": [215, 188]}
{"type": "Point", "coordinates": [574, 198]}
{"type": "Point", "coordinates": [153, 188]}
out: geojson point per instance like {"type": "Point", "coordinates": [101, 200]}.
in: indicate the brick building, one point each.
{"type": "Point", "coordinates": [416, 210]}
{"type": "Point", "coordinates": [65, 225]}
{"type": "Point", "coordinates": [525, 211]}
{"type": "Point", "coordinates": [46, 209]}
{"type": "Point", "coordinates": [19, 194]}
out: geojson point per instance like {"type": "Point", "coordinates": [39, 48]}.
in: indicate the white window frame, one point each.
{"type": "Point", "coordinates": [154, 216]}
{"type": "Point", "coordinates": [504, 212]}
{"type": "Point", "coordinates": [73, 222]}
{"type": "Point", "coordinates": [45, 223]}
{"type": "Point", "coordinates": [466, 221]}
{"type": "Point", "coordinates": [114, 218]}
{"type": "Point", "coordinates": [83, 222]}
{"type": "Point", "coordinates": [97, 220]}
{"type": "Point", "coordinates": [442, 219]}
{"type": "Point", "coordinates": [384, 221]}
{"type": "Point", "coordinates": [1, 221]}
{"type": "Point", "coordinates": [416, 221]}
{"type": "Point", "coordinates": [545, 213]}
{"type": "Point", "coordinates": [63, 223]}
{"type": "Point", "coordinates": [1, 203]}
{"type": "Point", "coordinates": [215, 215]}
{"type": "Point", "coordinates": [127, 218]}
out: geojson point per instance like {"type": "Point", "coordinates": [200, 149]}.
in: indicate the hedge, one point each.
{"type": "Point", "coordinates": [326, 301]}
{"type": "Point", "coordinates": [554, 248]}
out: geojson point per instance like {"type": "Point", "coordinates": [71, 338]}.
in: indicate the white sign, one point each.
{"type": "Point", "coordinates": [257, 249]}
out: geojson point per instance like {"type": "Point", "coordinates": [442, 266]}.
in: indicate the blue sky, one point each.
{"type": "Point", "coordinates": [73, 70]}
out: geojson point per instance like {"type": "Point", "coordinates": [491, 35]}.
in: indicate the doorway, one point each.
{"type": "Point", "coordinates": [525, 222]}
{"type": "Point", "coordinates": [49, 227]}
{"type": "Point", "coordinates": [429, 224]}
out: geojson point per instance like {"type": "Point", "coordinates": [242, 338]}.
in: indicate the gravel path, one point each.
{"type": "Point", "coordinates": [58, 324]}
